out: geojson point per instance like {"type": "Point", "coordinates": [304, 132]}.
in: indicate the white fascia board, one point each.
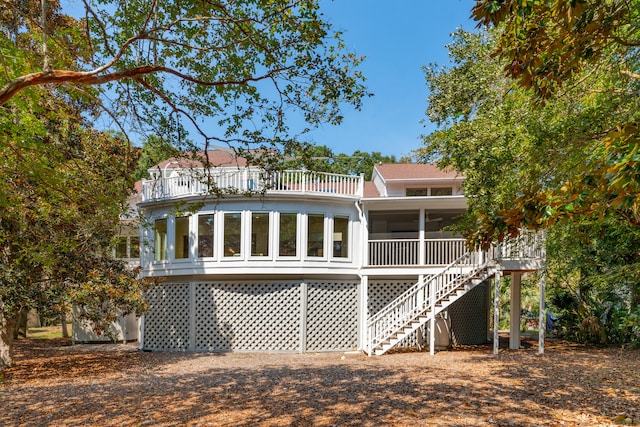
{"type": "Point", "coordinates": [398, 203]}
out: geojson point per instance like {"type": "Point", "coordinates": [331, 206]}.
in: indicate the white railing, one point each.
{"type": "Point", "coordinates": [529, 244]}
{"type": "Point", "coordinates": [421, 297]}
{"type": "Point", "coordinates": [394, 252]}
{"type": "Point", "coordinates": [247, 180]}
{"type": "Point", "coordinates": [407, 251]}
{"type": "Point", "coordinates": [444, 251]}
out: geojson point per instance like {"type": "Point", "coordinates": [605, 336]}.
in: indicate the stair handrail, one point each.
{"type": "Point", "coordinates": [416, 299]}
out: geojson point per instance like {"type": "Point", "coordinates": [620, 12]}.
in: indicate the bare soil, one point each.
{"type": "Point", "coordinates": [54, 383]}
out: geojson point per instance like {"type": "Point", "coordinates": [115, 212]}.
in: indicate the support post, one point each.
{"type": "Point", "coordinates": [542, 319]}
{"type": "Point", "coordinates": [496, 312]}
{"type": "Point", "coordinates": [514, 311]}
{"type": "Point", "coordinates": [432, 323]}
{"type": "Point", "coordinates": [364, 302]}
{"type": "Point", "coordinates": [304, 292]}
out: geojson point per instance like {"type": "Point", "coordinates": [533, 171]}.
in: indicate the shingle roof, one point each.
{"type": "Point", "coordinates": [370, 189]}
{"type": "Point", "coordinates": [414, 171]}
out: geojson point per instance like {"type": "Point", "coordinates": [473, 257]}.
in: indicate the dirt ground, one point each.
{"type": "Point", "coordinates": [54, 383]}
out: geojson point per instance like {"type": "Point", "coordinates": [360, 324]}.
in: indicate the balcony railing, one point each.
{"type": "Point", "coordinates": [247, 180]}
{"type": "Point", "coordinates": [406, 252]}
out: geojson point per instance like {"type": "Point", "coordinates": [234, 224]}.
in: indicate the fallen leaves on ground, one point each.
{"type": "Point", "coordinates": [54, 383]}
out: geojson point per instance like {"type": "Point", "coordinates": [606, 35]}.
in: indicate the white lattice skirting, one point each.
{"type": "Point", "coordinates": [255, 316]}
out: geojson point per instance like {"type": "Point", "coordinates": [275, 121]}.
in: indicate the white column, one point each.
{"type": "Point", "coordinates": [364, 302]}
{"type": "Point", "coordinates": [432, 323]}
{"type": "Point", "coordinates": [421, 248]}
{"type": "Point", "coordinates": [192, 316]}
{"type": "Point", "coordinates": [542, 320]}
{"type": "Point", "coordinates": [304, 292]}
{"type": "Point", "coordinates": [514, 311]}
{"type": "Point", "coordinates": [496, 312]}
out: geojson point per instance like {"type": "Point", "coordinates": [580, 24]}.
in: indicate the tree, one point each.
{"type": "Point", "coordinates": [153, 151]}
{"type": "Point", "coordinates": [520, 159]}
{"type": "Point", "coordinates": [554, 48]}
{"type": "Point", "coordinates": [231, 72]}
{"type": "Point", "coordinates": [527, 165]}
{"type": "Point", "coordinates": [63, 189]}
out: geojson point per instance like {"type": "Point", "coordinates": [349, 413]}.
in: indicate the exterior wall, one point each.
{"type": "Point", "coordinates": [269, 315]}
{"type": "Point", "coordinates": [245, 263]}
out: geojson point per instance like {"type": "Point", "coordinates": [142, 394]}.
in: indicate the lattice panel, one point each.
{"type": "Point", "coordinates": [166, 325]}
{"type": "Point", "coordinates": [469, 317]}
{"type": "Point", "coordinates": [332, 316]}
{"type": "Point", "coordinates": [247, 317]}
{"type": "Point", "coordinates": [381, 293]}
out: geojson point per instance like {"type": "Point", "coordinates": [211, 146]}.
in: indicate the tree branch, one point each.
{"type": "Point", "coordinates": [9, 90]}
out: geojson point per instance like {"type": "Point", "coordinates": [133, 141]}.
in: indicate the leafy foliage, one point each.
{"type": "Point", "coordinates": [565, 165]}
{"type": "Point", "coordinates": [230, 72]}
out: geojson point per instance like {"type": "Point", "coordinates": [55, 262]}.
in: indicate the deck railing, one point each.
{"type": "Point", "coordinates": [394, 252]}
{"type": "Point", "coordinates": [247, 180]}
{"type": "Point", "coordinates": [406, 252]}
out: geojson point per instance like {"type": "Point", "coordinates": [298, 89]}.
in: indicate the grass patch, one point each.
{"type": "Point", "coordinates": [45, 332]}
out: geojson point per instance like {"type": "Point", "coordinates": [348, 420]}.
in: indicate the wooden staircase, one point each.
{"type": "Point", "coordinates": [426, 299]}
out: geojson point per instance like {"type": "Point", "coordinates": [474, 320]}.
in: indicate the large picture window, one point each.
{"type": "Point", "coordinates": [315, 235]}
{"type": "Point", "coordinates": [288, 238]}
{"type": "Point", "coordinates": [341, 237]}
{"type": "Point", "coordinates": [232, 234]}
{"type": "Point", "coordinates": [260, 234]}
{"type": "Point", "coordinates": [182, 237]}
{"type": "Point", "coordinates": [205, 235]}
{"type": "Point", "coordinates": [160, 240]}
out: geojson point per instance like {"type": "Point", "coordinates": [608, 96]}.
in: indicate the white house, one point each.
{"type": "Point", "coordinates": [313, 261]}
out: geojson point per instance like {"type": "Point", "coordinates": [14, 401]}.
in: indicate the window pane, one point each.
{"type": "Point", "coordinates": [315, 235]}
{"type": "Point", "coordinates": [134, 248]}
{"type": "Point", "coordinates": [205, 235]}
{"type": "Point", "coordinates": [121, 247]}
{"type": "Point", "coordinates": [413, 192]}
{"type": "Point", "coordinates": [341, 237]}
{"type": "Point", "coordinates": [442, 191]}
{"type": "Point", "coordinates": [288, 234]}
{"type": "Point", "coordinates": [232, 234]}
{"type": "Point", "coordinates": [182, 237]}
{"type": "Point", "coordinates": [260, 234]}
{"type": "Point", "coordinates": [160, 241]}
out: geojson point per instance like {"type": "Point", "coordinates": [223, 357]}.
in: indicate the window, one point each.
{"type": "Point", "coordinates": [414, 192]}
{"type": "Point", "coordinates": [288, 234]}
{"type": "Point", "coordinates": [160, 241]}
{"type": "Point", "coordinates": [127, 247]}
{"type": "Point", "coordinates": [341, 237]}
{"type": "Point", "coordinates": [134, 247]}
{"type": "Point", "coordinates": [205, 235]}
{"type": "Point", "coordinates": [182, 237]}
{"type": "Point", "coordinates": [232, 234]}
{"type": "Point", "coordinates": [260, 234]}
{"type": "Point", "coordinates": [121, 247]}
{"type": "Point", "coordinates": [315, 235]}
{"type": "Point", "coordinates": [442, 191]}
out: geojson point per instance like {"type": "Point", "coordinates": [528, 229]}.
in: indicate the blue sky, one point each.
{"type": "Point", "coordinates": [397, 38]}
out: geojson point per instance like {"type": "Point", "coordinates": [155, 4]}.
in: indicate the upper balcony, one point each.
{"type": "Point", "coordinates": [185, 183]}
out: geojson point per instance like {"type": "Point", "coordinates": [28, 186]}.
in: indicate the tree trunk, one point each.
{"type": "Point", "coordinates": [20, 327]}
{"type": "Point", "coordinates": [6, 341]}
{"type": "Point", "coordinates": [63, 322]}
